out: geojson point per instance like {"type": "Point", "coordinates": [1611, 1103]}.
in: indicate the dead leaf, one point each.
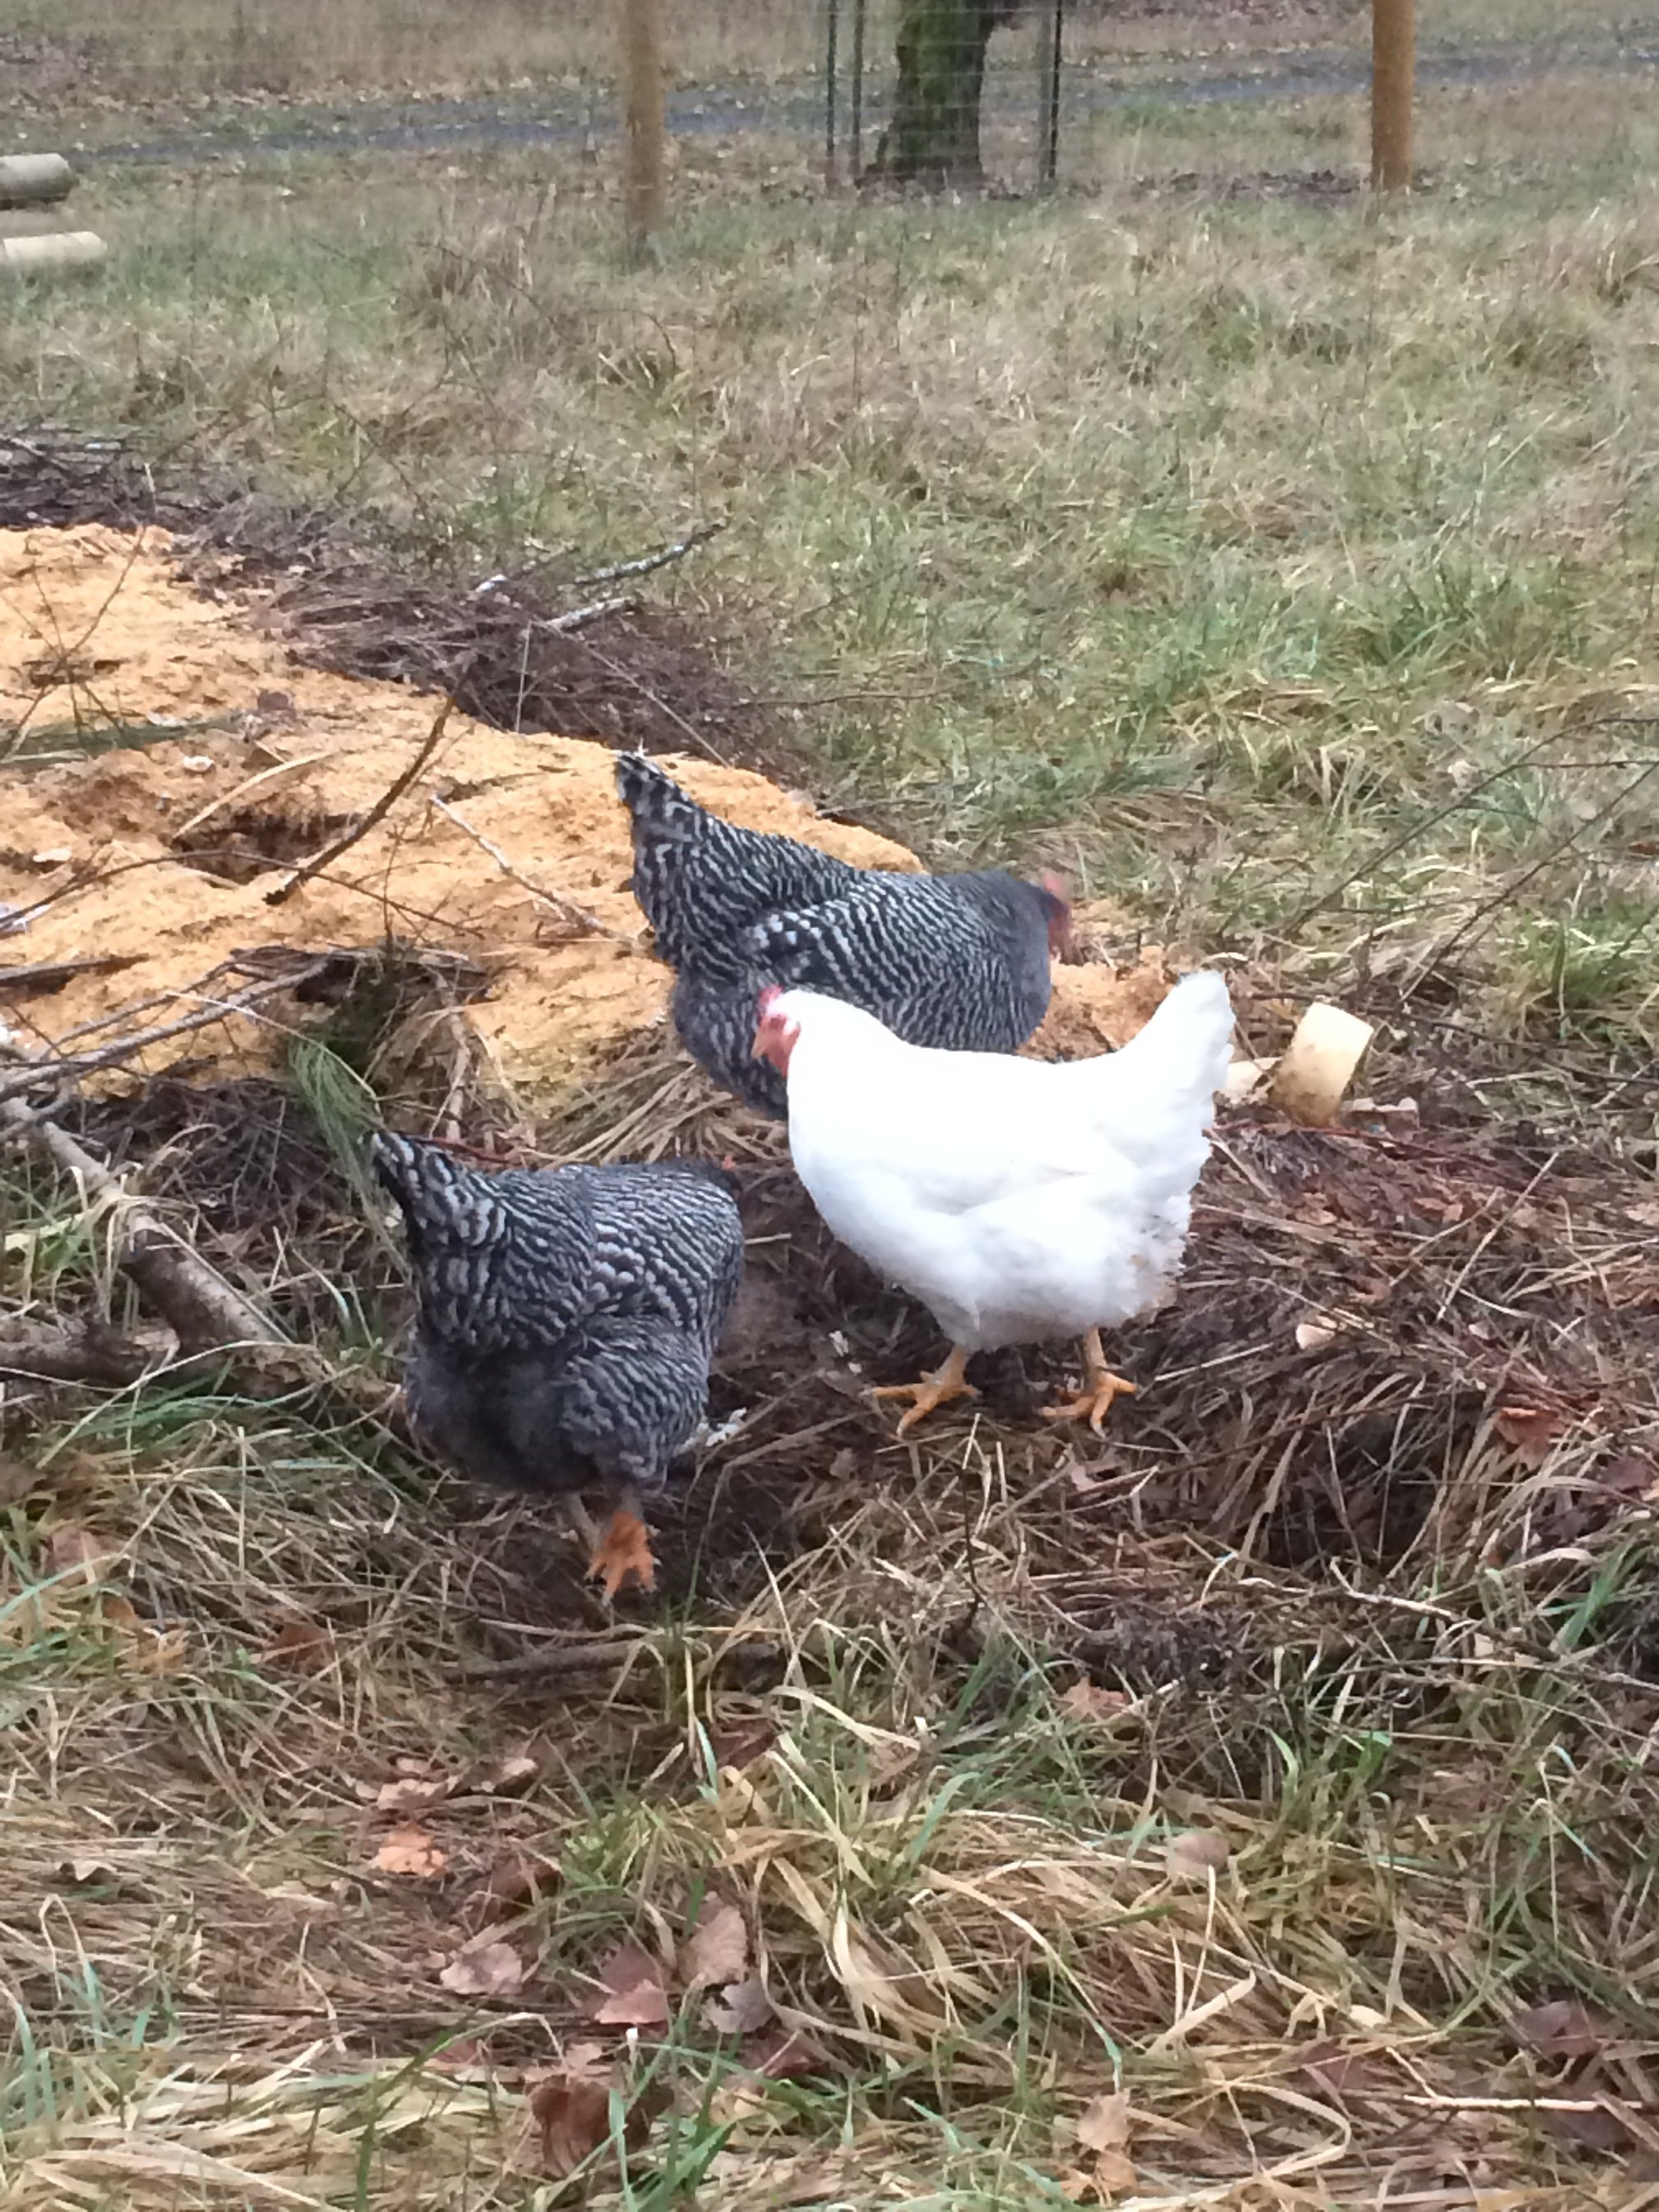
{"type": "Point", "coordinates": [741, 2008]}
{"type": "Point", "coordinates": [1316, 1333]}
{"type": "Point", "coordinates": [518, 1878]}
{"type": "Point", "coordinates": [78, 1554]}
{"type": "Point", "coordinates": [465, 2055]}
{"type": "Point", "coordinates": [570, 2108]}
{"type": "Point", "coordinates": [17, 1481]}
{"type": "Point", "coordinates": [1529, 1431]}
{"type": "Point", "coordinates": [744, 1742]}
{"type": "Point", "coordinates": [1088, 1701]}
{"type": "Point", "coordinates": [1563, 2028]}
{"type": "Point", "coordinates": [1595, 2126]}
{"type": "Point", "coordinates": [1200, 1850]}
{"type": "Point", "coordinates": [1103, 2123]}
{"type": "Point", "coordinates": [506, 1779]}
{"type": "Point", "coordinates": [633, 1992]}
{"type": "Point", "coordinates": [718, 1947]}
{"type": "Point", "coordinates": [1114, 2175]}
{"type": "Point", "coordinates": [1630, 1475]}
{"type": "Point", "coordinates": [412, 1851]}
{"type": "Point", "coordinates": [572, 2114]}
{"type": "Point", "coordinates": [88, 1869]}
{"type": "Point", "coordinates": [484, 1970]}
{"type": "Point", "coordinates": [785, 2055]}
{"type": "Point", "coordinates": [300, 1643]}
{"type": "Point", "coordinates": [411, 1794]}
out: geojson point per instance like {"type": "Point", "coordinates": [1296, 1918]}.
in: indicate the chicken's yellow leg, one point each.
{"type": "Point", "coordinates": [623, 1549]}
{"type": "Point", "coordinates": [932, 1389]}
{"type": "Point", "coordinates": [1100, 1386]}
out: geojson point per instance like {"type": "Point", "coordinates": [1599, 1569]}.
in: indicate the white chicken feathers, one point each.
{"type": "Point", "coordinates": [1018, 1199]}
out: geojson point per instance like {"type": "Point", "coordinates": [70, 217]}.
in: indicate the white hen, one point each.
{"type": "Point", "coordinates": [1020, 1199]}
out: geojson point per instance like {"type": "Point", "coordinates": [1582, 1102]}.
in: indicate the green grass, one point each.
{"type": "Point", "coordinates": [1200, 547]}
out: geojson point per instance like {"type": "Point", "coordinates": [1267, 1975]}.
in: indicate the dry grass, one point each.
{"type": "Point", "coordinates": [1288, 574]}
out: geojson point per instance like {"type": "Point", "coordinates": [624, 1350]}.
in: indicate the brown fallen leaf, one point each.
{"type": "Point", "coordinates": [741, 2008]}
{"type": "Point", "coordinates": [1103, 2123]}
{"type": "Point", "coordinates": [17, 1480]}
{"type": "Point", "coordinates": [570, 2111]}
{"type": "Point", "coordinates": [781, 2054]}
{"type": "Point", "coordinates": [519, 1877]}
{"type": "Point", "coordinates": [1114, 2175]}
{"type": "Point", "coordinates": [77, 1554]}
{"type": "Point", "coordinates": [411, 1793]}
{"type": "Point", "coordinates": [1088, 1701]}
{"type": "Point", "coordinates": [717, 1949]}
{"type": "Point", "coordinates": [484, 1969]}
{"type": "Point", "coordinates": [632, 1994]}
{"type": "Point", "coordinates": [1631, 1475]}
{"type": "Point", "coordinates": [507, 1778]}
{"type": "Point", "coordinates": [150, 1650]}
{"type": "Point", "coordinates": [87, 1868]}
{"type": "Point", "coordinates": [305, 1644]}
{"type": "Point", "coordinates": [411, 1851]}
{"type": "Point", "coordinates": [744, 1742]}
{"type": "Point", "coordinates": [1563, 2028]}
{"type": "Point", "coordinates": [1200, 1850]}
{"type": "Point", "coordinates": [572, 2116]}
{"type": "Point", "coordinates": [1530, 1431]}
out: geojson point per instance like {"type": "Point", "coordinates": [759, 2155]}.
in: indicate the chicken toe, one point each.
{"type": "Point", "coordinates": [946, 1382]}
{"type": "Point", "coordinates": [623, 1551]}
{"type": "Point", "coordinates": [1100, 1386]}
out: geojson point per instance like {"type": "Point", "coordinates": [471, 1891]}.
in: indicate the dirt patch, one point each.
{"type": "Point", "coordinates": [171, 759]}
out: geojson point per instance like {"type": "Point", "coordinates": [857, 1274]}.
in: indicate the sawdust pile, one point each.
{"type": "Point", "coordinates": [165, 761]}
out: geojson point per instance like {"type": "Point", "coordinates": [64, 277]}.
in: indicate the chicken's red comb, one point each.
{"type": "Point", "coordinates": [1057, 887]}
{"type": "Point", "coordinates": [769, 997]}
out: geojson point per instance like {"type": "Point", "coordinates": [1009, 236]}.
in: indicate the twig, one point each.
{"type": "Point", "coordinates": [645, 563]}
{"type": "Point", "coordinates": [60, 1067]}
{"type": "Point", "coordinates": [577, 916]}
{"type": "Point", "coordinates": [580, 617]}
{"type": "Point", "coordinates": [382, 806]}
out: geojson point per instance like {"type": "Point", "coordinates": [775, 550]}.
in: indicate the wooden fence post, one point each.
{"type": "Point", "coordinates": [1394, 67]}
{"type": "Point", "coordinates": [643, 150]}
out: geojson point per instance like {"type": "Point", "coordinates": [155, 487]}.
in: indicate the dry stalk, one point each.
{"type": "Point", "coordinates": [382, 806]}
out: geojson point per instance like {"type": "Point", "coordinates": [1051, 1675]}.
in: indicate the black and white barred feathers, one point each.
{"type": "Point", "coordinates": [956, 962]}
{"type": "Point", "coordinates": [565, 1317]}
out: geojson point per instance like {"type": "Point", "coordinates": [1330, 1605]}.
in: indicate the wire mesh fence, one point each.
{"type": "Point", "coordinates": [1024, 95]}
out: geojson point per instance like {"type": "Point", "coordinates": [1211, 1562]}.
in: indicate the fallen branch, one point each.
{"type": "Point", "coordinates": [644, 563]}
{"type": "Point", "coordinates": [92, 1355]}
{"type": "Point", "coordinates": [49, 976]}
{"type": "Point", "coordinates": [576, 917]}
{"type": "Point", "coordinates": [382, 806]}
{"type": "Point", "coordinates": [580, 617]}
{"type": "Point", "coordinates": [204, 1311]}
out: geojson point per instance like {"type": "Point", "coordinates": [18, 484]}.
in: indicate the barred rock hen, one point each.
{"type": "Point", "coordinates": [1018, 1199]}
{"type": "Point", "coordinates": [956, 962]}
{"type": "Point", "coordinates": [565, 1322]}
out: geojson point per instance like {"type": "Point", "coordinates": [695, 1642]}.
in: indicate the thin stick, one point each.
{"type": "Point", "coordinates": [577, 916]}
{"type": "Point", "coordinates": [643, 563]}
{"type": "Point", "coordinates": [64, 1066]}
{"type": "Point", "coordinates": [382, 806]}
{"type": "Point", "coordinates": [580, 617]}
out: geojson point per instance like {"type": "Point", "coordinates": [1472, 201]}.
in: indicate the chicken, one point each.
{"type": "Point", "coordinates": [565, 1319]}
{"type": "Point", "coordinates": [1020, 1199]}
{"type": "Point", "coordinates": [960, 962]}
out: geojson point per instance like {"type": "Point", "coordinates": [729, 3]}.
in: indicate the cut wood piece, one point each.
{"type": "Point", "coordinates": [1319, 1064]}
{"type": "Point", "coordinates": [27, 179]}
{"type": "Point", "coordinates": [46, 257]}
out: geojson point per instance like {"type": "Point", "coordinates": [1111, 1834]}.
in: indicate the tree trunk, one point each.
{"type": "Point", "coordinates": [933, 138]}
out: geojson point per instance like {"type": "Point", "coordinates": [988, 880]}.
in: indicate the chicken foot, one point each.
{"type": "Point", "coordinates": [934, 1389]}
{"type": "Point", "coordinates": [622, 1550]}
{"type": "Point", "coordinates": [1100, 1386]}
